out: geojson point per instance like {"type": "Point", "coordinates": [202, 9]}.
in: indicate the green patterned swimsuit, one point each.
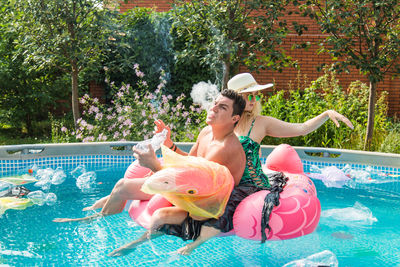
{"type": "Point", "coordinates": [253, 173]}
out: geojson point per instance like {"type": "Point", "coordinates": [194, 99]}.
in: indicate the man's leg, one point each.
{"type": "Point", "coordinates": [99, 204]}
{"type": "Point", "coordinates": [128, 248]}
{"type": "Point", "coordinates": [169, 215]}
{"type": "Point", "coordinates": [175, 215]}
{"type": "Point", "coordinates": [124, 190]}
{"type": "Point", "coordinates": [206, 233]}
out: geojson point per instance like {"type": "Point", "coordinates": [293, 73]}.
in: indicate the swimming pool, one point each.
{"type": "Point", "coordinates": [30, 238]}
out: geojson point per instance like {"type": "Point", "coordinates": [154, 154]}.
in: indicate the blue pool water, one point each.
{"type": "Point", "coordinates": [30, 238]}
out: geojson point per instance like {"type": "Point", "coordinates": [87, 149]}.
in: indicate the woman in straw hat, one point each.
{"type": "Point", "coordinates": [253, 127]}
{"type": "Point", "coordinates": [246, 85]}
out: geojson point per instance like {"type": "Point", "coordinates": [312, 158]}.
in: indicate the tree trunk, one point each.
{"type": "Point", "coordinates": [75, 103]}
{"type": "Point", "coordinates": [28, 122]}
{"type": "Point", "coordinates": [371, 115]}
{"type": "Point", "coordinates": [225, 78]}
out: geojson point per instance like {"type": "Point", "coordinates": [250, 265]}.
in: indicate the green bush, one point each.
{"type": "Point", "coordinates": [391, 141]}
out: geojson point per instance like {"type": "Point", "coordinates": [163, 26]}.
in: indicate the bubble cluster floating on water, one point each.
{"type": "Point", "coordinates": [356, 216]}
{"type": "Point", "coordinates": [78, 171]}
{"type": "Point", "coordinates": [332, 176]}
{"type": "Point", "coordinates": [47, 177]}
{"type": "Point", "coordinates": [40, 198]}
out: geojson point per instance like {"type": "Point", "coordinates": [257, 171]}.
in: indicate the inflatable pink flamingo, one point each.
{"type": "Point", "coordinates": [299, 209]}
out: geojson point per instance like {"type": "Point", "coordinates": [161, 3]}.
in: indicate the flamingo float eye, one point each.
{"type": "Point", "coordinates": [192, 191]}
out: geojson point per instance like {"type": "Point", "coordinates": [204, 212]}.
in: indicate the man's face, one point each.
{"type": "Point", "coordinates": [221, 111]}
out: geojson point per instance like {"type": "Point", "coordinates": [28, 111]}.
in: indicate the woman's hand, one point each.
{"type": "Point", "coordinates": [160, 126]}
{"type": "Point", "coordinates": [336, 117]}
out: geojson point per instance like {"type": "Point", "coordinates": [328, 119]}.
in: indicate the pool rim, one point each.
{"type": "Point", "coordinates": [124, 148]}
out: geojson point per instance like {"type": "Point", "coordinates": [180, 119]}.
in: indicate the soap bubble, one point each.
{"type": "Point", "coordinates": [85, 180]}
{"type": "Point", "coordinates": [51, 199]}
{"type": "Point", "coordinates": [331, 176]}
{"type": "Point", "coordinates": [4, 188]}
{"type": "Point", "coordinates": [156, 141]}
{"type": "Point", "coordinates": [44, 176]}
{"type": "Point", "coordinates": [59, 176]}
{"type": "Point", "coordinates": [40, 198]}
{"type": "Point", "coordinates": [44, 184]}
{"type": "Point", "coordinates": [37, 197]}
{"type": "Point", "coordinates": [78, 171]}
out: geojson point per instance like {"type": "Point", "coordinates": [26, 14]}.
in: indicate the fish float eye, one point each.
{"type": "Point", "coordinates": [192, 191]}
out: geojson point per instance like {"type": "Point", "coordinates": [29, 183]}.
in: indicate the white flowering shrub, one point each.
{"type": "Point", "coordinates": [130, 116]}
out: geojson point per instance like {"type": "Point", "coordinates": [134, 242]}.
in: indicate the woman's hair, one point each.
{"type": "Point", "coordinates": [247, 117]}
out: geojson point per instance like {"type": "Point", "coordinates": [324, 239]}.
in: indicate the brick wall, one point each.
{"type": "Point", "coordinates": [97, 91]}
{"type": "Point", "coordinates": [308, 59]}
{"type": "Point", "coordinates": [160, 5]}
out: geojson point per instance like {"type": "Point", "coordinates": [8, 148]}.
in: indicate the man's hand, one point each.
{"type": "Point", "coordinates": [160, 126]}
{"type": "Point", "coordinates": [147, 159]}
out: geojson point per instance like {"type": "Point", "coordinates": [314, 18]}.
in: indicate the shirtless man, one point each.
{"type": "Point", "coordinates": [216, 142]}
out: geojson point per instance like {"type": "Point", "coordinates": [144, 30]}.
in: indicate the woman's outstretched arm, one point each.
{"type": "Point", "coordinates": [277, 128]}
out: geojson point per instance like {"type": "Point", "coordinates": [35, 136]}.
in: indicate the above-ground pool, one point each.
{"type": "Point", "coordinates": [358, 224]}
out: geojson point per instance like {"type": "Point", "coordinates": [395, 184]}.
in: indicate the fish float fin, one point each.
{"type": "Point", "coordinates": [14, 203]}
{"type": "Point", "coordinates": [19, 179]}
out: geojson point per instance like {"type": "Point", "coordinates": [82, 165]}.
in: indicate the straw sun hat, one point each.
{"type": "Point", "coordinates": [245, 83]}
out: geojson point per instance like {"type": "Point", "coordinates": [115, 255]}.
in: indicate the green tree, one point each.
{"type": "Point", "coordinates": [139, 36]}
{"type": "Point", "coordinates": [143, 37]}
{"type": "Point", "coordinates": [62, 34]}
{"type": "Point", "coordinates": [26, 95]}
{"type": "Point", "coordinates": [234, 33]}
{"type": "Point", "coordinates": [364, 34]}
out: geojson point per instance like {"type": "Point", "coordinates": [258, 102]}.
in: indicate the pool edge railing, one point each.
{"type": "Point", "coordinates": [124, 148]}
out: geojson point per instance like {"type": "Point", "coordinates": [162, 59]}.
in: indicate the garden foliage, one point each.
{"type": "Point", "coordinates": [133, 109]}
{"type": "Point", "coordinates": [150, 39]}
{"type": "Point", "coordinates": [61, 34]}
{"type": "Point", "coordinates": [360, 34]}
{"type": "Point", "coordinates": [302, 104]}
{"type": "Point", "coordinates": [130, 115]}
{"type": "Point", "coordinates": [27, 93]}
